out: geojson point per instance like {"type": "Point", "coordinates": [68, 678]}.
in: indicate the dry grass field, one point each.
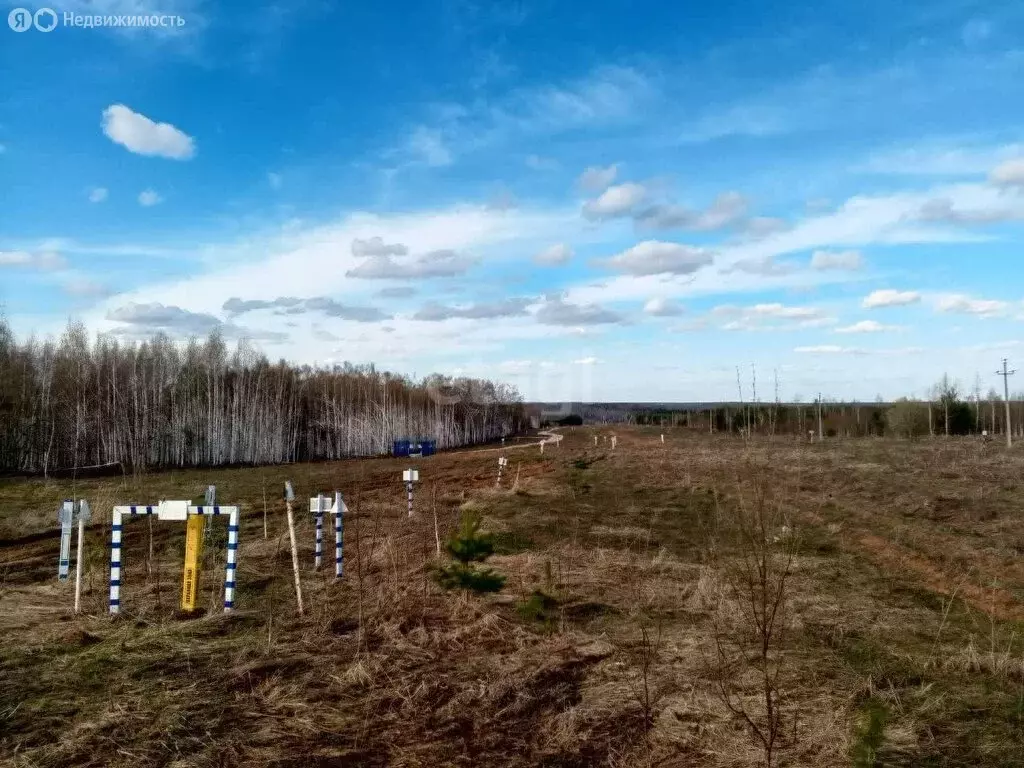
{"type": "Point", "coordinates": [702, 602]}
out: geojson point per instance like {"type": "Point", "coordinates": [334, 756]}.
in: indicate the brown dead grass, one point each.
{"type": "Point", "coordinates": [891, 599]}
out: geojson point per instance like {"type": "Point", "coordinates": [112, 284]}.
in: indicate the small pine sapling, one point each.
{"type": "Point", "coordinates": [468, 546]}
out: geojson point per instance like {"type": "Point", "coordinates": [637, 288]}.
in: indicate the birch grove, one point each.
{"type": "Point", "coordinates": [69, 403]}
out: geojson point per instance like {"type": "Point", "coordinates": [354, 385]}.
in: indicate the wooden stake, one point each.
{"type": "Point", "coordinates": [295, 554]}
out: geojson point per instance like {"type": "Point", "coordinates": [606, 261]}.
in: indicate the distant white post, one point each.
{"type": "Point", "coordinates": [595, 441]}
{"type": "Point", "coordinates": [410, 476]}
{"type": "Point", "coordinates": [65, 516]}
{"type": "Point", "coordinates": [83, 517]}
{"type": "Point", "coordinates": [502, 462]}
{"type": "Point", "coordinates": [662, 439]}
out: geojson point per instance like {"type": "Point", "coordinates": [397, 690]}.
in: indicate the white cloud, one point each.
{"type": "Point", "coordinates": [652, 257]}
{"type": "Point", "coordinates": [45, 261]}
{"type": "Point", "coordinates": [375, 246]}
{"type": "Point", "coordinates": [962, 304]}
{"type": "Point", "coordinates": [556, 311]}
{"type": "Point", "coordinates": [615, 201]}
{"type": "Point", "coordinates": [726, 210]}
{"type": "Point", "coordinates": [97, 194]}
{"type": "Point", "coordinates": [659, 307]}
{"type": "Point", "coordinates": [1009, 173]}
{"type": "Point", "coordinates": [554, 255]}
{"type": "Point", "coordinates": [138, 134]}
{"type": "Point", "coordinates": [865, 326]}
{"type": "Point", "coordinates": [597, 179]}
{"type": "Point", "coordinates": [841, 260]}
{"type": "Point", "coordinates": [149, 197]}
{"type": "Point", "coordinates": [586, 361]}
{"type": "Point", "coordinates": [890, 298]}
{"type": "Point", "coordinates": [440, 263]}
{"type": "Point", "coordinates": [427, 145]}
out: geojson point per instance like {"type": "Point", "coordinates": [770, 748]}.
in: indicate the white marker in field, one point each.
{"type": "Point", "coordinates": [614, 439]}
{"type": "Point", "coordinates": [502, 463]}
{"type": "Point", "coordinates": [318, 506]}
{"type": "Point", "coordinates": [65, 516]}
{"type": "Point", "coordinates": [595, 441]}
{"type": "Point", "coordinates": [410, 476]}
{"type": "Point", "coordinates": [173, 511]}
{"type": "Point", "coordinates": [662, 439]}
{"type": "Point", "coordinates": [84, 514]}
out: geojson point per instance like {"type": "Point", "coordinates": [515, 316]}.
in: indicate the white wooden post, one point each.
{"type": "Point", "coordinates": [83, 517]}
{"type": "Point", "coordinates": [289, 497]}
{"type": "Point", "coordinates": [501, 465]}
{"type": "Point", "coordinates": [410, 476]}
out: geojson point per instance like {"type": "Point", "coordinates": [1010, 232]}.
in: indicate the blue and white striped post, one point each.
{"type": "Point", "coordinates": [339, 531]}
{"type": "Point", "coordinates": [318, 551]}
{"type": "Point", "coordinates": [410, 476]}
{"type": "Point", "coordinates": [172, 511]}
{"type": "Point", "coordinates": [65, 515]}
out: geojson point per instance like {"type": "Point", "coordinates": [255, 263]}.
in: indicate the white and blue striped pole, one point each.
{"type": "Point", "coordinates": [173, 511]}
{"type": "Point", "coordinates": [318, 551]}
{"type": "Point", "coordinates": [64, 517]}
{"type": "Point", "coordinates": [339, 530]}
{"type": "Point", "coordinates": [232, 565]}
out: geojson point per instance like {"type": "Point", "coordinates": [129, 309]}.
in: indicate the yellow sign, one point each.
{"type": "Point", "coordinates": [193, 550]}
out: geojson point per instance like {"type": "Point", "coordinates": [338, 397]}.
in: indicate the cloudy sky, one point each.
{"type": "Point", "coordinates": [605, 201]}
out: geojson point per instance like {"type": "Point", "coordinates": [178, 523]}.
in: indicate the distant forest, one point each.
{"type": "Point", "coordinates": [948, 411]}
{"type": "Point", "coordinates": [153, 404]}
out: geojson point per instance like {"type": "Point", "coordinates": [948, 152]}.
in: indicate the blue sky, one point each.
{"type": "Point", "coordinates": [602, 201]}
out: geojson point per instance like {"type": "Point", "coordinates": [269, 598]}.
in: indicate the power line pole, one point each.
{"type": "Point", "coordinates": [1006, 394]}
{"type": "Point", "coordinates": [821, 433]}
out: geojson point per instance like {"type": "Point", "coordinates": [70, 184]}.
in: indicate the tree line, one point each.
{"type": "Point", "coordinates": [76, 402]}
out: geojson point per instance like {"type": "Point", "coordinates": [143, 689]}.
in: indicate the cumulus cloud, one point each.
{"type": "Point", "coordinates": [1009, 173]}
{"type": "Point", "coordinates": [769, 317]}
{"type": "Point", "coordinates": [597, 179]}
{"type": "Point", "coordinates": [865, 326]}
{"type": "Point", "coordinates": [146, 319]}
{"type": "Point", "coordinates": [97, 194]}
{"type": "Point", "coordinates": [513, 307]}
{"type": "Point", "coordinates": [829, 349]}
{"type": "Point", "coordinates": [554, 255]}
{"type": "Point", "coordinates": [762, 226]}
{"type": "Point", "coordinates": [586, 361]}
{"type": "Point", "coordinates": [292, 306]}
{"type": "Point", "coordinates": [149, 197]}
{"type": "Point", "coordinates": [837, 260]}
{"type": "Point", "coordinates": [652, 257]}
{"type": "Point", "coordinates": [375, 246]}
{"type": "Point", "coordinates": [962, 304]}
{"type": "Point", "coordinates": [556, 311]}
{"type": "Point", "coordinates": [726, 210]}
{"type": "Point", "coordinates": [890, 298]}
{"type": "Point", "coordinates": [659, 307]}
{"type": "Point", "coordinates": [942, 210]}
{"type": "Point", "coordinates": [442, 263]}
{"type": "Point", "coordinates": [138, 134]}
{"type": "Point", "coordinates": [615, 201]}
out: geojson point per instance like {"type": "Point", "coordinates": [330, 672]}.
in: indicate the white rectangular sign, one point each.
{"type": "Point", "coordinates": [411, 475]}
{"type": "Point", "coordinates": [172, 510]}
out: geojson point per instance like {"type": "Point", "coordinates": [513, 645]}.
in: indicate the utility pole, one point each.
{"type": "Point", "coordinates": [1006, 394]}
{"type": "Point", "coordinates": [821, 434]}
